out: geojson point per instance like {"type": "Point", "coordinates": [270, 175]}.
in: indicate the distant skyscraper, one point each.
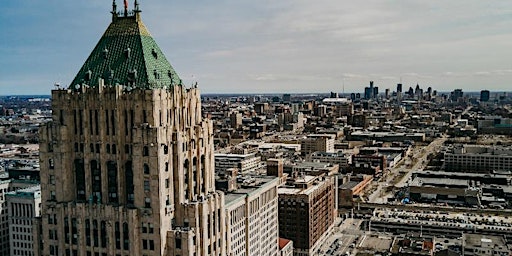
{"type": "Point", "coordinates": [371, 92]}
{"type": "Point", "coordinates": [287, 98]}
{"type": "Point", "coordinates": [399, 87]}
{"type": "Point", "coordinates": [485, 95]}
{"type": "Point", "coordinates": [456, 94]}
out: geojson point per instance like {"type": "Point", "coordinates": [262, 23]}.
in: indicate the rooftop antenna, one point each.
{"type": "Point", "coordinates": [343, 86]}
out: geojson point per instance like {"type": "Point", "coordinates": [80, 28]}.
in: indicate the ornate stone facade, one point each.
{"type": "Point", "coordinates": [129, 169]}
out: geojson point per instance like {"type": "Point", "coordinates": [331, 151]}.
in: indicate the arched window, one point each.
{"type": "Point", "coordinates": [146, 169]}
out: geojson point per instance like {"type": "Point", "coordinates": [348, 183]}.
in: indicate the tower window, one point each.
{"type": "Point", "coordinates": [130, 196]}
{"type": "Point", "coordinates": [80, 180]}
{"type": "Point", "coordinates": [112, 182]}
{"type": "Point", "coordinates": [146, 169]}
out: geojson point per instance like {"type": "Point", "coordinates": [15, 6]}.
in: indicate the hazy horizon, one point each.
{"type": "Point", "coordinates": [274, 46]}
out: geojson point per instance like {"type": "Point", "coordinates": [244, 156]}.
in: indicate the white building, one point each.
{"type": "Point", "coordinates": [339, 158]}
{"type": "Point", "coordinates": [24, 205]}
{"type": "Point", "coordinates": [475, 158]}
{"type": "Point", "coordinates": [317, 142]}
{"type": "Point", "coordinates": [244, 162]}
{"type": "Point", "coordinates": [7, 185]}
{"type": "Point", "coordinates": [252, 219]}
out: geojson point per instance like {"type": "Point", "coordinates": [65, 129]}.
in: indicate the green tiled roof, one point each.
{"type": "Point", "coordinates": [127, 55]}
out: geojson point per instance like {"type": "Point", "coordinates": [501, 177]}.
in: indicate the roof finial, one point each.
{"type": "Point", "coordinates": [136, 5]}
{"type": "Point", "coordinates": [114, 10]}
{"type": "Point", "coordinates": [125, 8]}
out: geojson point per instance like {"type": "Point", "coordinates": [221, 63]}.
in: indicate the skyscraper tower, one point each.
{"type": "Point", "coordinates": [127, 163]}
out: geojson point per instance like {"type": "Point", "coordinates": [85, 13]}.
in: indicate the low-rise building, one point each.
{"type": "Point", "coordinates": [317, 142]}
{"type": "Point", "coordinates": [244, 162]}
{"type": "Point", "coordinates": [478, 158]}
{"type": "Point", "coordinates": [340, 158]}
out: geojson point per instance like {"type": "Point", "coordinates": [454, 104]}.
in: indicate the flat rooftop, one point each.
{"type": "Point", "coordinates": [439, 182]}
{"type": "Point", "coordinates": [261, 182]}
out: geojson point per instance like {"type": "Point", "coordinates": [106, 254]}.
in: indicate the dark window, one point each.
{"type": "Point", "coordinates": [117, 234]}
{"type": "Point", "coordinates": [145, 151]}
{"type": "Point", "coordinates": [88, 232]}
{"type": "Point", "coordinates": [95, 233]}
{"type": "Point", "coordinates": [113, 120]}
{"type": "Point", "coordinates": [146, 169]}
{"type": "Point", "coordinates": [81, 122]}
{"type": "Point", "coordinates": [114, 149]}
{"type": "Point", "coordinates": [112, 182]}
{"type": "Point", "coordinates": [80, 179]}
{"type": "Point", "coordinates": [130, 196]}
{"type": "Point", "coordinates": [107, 127]}
{"type": "Point", "coordinates": [96, 182]}
{"type": "Point", "coordinates": [126, 239]}
{"type": "Point", "coordinates": [126, 130]}
{"type": "Point", "coordinates": [66, 230]}
{"type": "Point", "coordinates": [91, 125]}
{"type": "Point", "coordinates": [61, 117]}
{"type": "Point", "coordinates": [178, 243]}
{"type": "Point", "coordinates": [96, 119]}
{"type": "Point", "coordinates": [103, 234]}
{"type": "Point", "coordinates": [75, 123]}
{"type": "Point", "coordinates": [74, 231]}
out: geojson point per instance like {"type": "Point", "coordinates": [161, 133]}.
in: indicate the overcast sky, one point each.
{"type": "Point", "coordinates": [265, 46]}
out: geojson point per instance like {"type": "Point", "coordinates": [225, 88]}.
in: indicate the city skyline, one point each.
{"type": "Point", "coordinates": [275, 47]}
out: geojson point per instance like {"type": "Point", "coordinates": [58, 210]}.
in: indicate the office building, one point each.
{"type": "Point", "coordinates": [244, 162]}
{"type": "Point", "coordinates": [317, 142]}
{"type": "Point", "coordinates": [307, 210]}
{"type": "Point", "coordinates": [485, 95]}
{"type": "Point", "coordinates": [478, 158]}
{"type": "Point", "coordinates": [8, 185]}
{"type": "Point", "coordinates": [251, 218]}
{"type": "Point", "coordinates": [24, 206]}
{"type": "Point", "coordinates": [127, 163]}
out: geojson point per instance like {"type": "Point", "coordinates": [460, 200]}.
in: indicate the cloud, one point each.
{"type": "Point", "coordinates": [277, 45]}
